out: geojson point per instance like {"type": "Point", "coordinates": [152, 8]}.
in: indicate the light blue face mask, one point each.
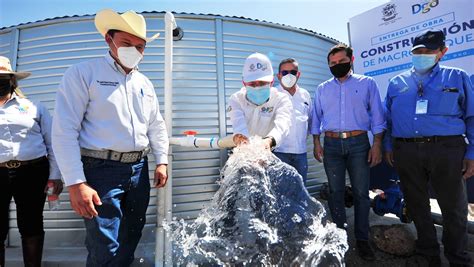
{"type": "Point", "coordinates": [258, 95]}
{"type": "Point", "coordinates": [423, 62]}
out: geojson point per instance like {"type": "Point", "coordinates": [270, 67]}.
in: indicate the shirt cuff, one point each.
{"type": "Point", "coordinates": [469, 152]}
{"type": "Point", "coordinates": [378, 129]}
{"type": "Point", "coordinates": [69, 182]}
{"type": "Point", "coordinates": [315, 132]}
{"type": "Point", "coordinates": [54, 174]}
{"type": "Point", "coordinates": [161, 158]}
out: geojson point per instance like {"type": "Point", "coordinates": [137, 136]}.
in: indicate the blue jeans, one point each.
{"type": "Point", "coordinates": [348, 154]}
{"type": "Point", "coordinates": [124, 189]}
{"type": "Point", "coordinates": [298, 161]}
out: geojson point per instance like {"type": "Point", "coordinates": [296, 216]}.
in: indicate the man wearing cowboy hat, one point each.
{"type": "Point", "coordinates": [106, 118]}
{"type": "Point", "coordinates": [27, 164]}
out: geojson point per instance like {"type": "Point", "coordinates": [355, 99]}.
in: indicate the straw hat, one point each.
{"type": "Point", "coordinates": [6, 68]}
{"type": "Point", "coordinates": [129, 22]}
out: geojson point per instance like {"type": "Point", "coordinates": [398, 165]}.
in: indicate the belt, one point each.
{"type": "Point", "coordinates": [427, 139]}
{"type": "Point", "coordinates": [344, 135]}
{"type": "Point", "coordinates": [124, 157]}
{"type": "Point", "coordinates": [13, 164]}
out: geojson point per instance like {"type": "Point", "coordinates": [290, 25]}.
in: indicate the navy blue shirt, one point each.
{"type": "Point", "coordinates": [450, 111]}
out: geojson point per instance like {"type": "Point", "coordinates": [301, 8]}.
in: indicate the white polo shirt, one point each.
{"type": "Point", "coordinates": [100, 107]}
{"type": "Point", "coordinates": [295, 143]}
{"type": "Point", "coordinates": [272, 118]}
{"type": "Point", "coordinates": [25, 133]}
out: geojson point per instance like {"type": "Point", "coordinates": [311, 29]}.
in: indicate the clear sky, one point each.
{"type": "Point", "coordinates": [328, 17]}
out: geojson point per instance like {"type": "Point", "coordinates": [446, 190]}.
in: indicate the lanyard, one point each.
{"type": "Point", "coordinates": [419, 83]}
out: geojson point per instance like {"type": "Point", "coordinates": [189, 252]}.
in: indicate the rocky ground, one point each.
{"type": "Point", "coordinates": [388, 260]}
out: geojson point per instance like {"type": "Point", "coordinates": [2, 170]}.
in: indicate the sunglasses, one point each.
{"type": "Point", "coordinates": [285, 72]}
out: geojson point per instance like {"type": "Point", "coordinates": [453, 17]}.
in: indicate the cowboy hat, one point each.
{"type": "Point", "coordinates": [129, 22]}
{"type": "Point", "coordinates": [6, 68]}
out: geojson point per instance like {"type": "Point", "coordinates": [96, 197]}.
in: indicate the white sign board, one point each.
{"type": "Point", "coordinates": [382, 37]}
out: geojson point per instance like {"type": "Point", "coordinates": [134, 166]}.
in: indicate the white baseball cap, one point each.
{"type": "Point", "coordinates": [257, 67]}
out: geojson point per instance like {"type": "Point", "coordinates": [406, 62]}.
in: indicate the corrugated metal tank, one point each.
{"type": "Point", "coordinates": [207, 70]}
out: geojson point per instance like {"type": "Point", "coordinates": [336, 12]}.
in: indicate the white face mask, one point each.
{"type": "Point", "coordinates": [288, 80]}
{"type": "Point", "coordinates": [129, 56]}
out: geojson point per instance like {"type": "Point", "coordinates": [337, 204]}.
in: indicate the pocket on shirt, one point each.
{"type": "Point", "coordinates": [147, 104]}
{"type": "Point", "coordinates": [445, 104]}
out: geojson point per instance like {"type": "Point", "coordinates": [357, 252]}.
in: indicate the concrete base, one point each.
{"type": "Point", "coordinates": [76, 256]}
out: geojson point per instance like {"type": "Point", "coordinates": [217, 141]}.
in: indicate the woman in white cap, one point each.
{"type": "Point", "coordinates": [26, 163]}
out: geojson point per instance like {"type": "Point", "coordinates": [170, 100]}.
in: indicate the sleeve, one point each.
{"type": "Point", "coordinates": [387, 140]}
{"type": "Point", "coordinates": [310, 114]}
{"type": "Point", "coordinates": [317, 113]}
{"type": "Point", "coordinates": [282, 120]}
{"type": "Point", "coordinates": [378, 123]}
{"type": "Point", "coordinates": [237, 117]}
{"type": "Point", "coordinates": [71, 103]}
{"type": "Point", "coordinates": [157, 134]}
{"type": "Point", "coordinates": [468, 107]}
{"type": "Point", "coordinates": [46, 125]}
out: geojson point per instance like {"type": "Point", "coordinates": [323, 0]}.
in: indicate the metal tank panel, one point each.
{"type": "Point", "coordinates": [207, 69]}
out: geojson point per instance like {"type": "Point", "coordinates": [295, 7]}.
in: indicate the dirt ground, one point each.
{"type": "Point", "coordinates": [382, 258]}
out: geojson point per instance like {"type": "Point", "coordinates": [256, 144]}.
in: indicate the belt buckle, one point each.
{"type": "Point", "coordinates": [343, 135]}
{"type": "Point", "coordinates": [129, 157]}
{"type": "Point", "coordinates": [13, 164]}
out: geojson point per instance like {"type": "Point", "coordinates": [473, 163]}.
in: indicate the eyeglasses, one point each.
{"type": "Point", "coordinates": [286, 72]}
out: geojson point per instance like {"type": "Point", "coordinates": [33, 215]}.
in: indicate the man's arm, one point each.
{"type": "Point", "coordinates": [72, 99]}
{"type": "Point", "coordinates": [315, 129]}
{"type": "Point", "coordinates": [282, 120]}
{"type": "Point", "coordinates": [468, 107]}
{"type": "Point", "coordinates": [378, 124]}
{"type": "Point", "coordinates": [237, 118]}
{"type": "Point", "coordinates": [387, 140]}
{"type": "Point", "coordinates": [158, 136]}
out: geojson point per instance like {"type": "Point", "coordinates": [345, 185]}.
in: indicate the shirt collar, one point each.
{"type": "Point", "coordinates": [286, 91]}
{"type": "Point", "coordinates": [433, 71]}
{"type": "Point", "coordinates": [348, 78]}
{"type": "Point", "coordinates": [115, 65]}
{"type": "Point", "coordinates": [14, 97]}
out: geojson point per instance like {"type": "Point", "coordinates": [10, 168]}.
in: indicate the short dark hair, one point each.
{"type": "Point", "coordinates": [288, 60]}
{"type": "Point", "coordinates": [112, 32]}
{"type": "Point", "coordinates": [339, 48]}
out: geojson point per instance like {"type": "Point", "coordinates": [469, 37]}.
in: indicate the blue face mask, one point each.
{"type": "Point", "coordinates": [258, 95]}
{"type": "Point", "coordinates": [423, 62]}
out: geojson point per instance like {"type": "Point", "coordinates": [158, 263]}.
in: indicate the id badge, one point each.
{"type": "Point", "coordinates": [421, 106]}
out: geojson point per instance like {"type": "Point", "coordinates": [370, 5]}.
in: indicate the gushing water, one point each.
{"type": "Point", "coordinates": [261, 216]}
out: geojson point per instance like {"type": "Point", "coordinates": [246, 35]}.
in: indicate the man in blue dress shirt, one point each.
{"type": "Point", "coordinates": [429, 109]}
{"type": "Point", "coordinates": [346, 107]}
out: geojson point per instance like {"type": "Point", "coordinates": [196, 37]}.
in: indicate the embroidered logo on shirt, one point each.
{"type": "Point", "coordinates": [403, 90]}
{"type": "Point", "coordinates": [266, 109]}
{"type": "Point", "coordinates": [107, 83]}
{"type": "Point", "coordinates": [23, 109]}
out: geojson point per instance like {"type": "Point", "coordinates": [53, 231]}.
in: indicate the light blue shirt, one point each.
{"type": "Point", "coordinates": [25, 133]}
{"type": "Point", "coordinates": [450, 106]}
{"type": "Point", "coordinates": [351, 105]}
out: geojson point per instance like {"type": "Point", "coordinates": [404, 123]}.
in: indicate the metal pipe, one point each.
{"type": "Point", "coordinates": [163, 249]}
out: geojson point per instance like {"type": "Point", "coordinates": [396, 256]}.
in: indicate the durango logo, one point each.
{"type": "Point", "coordinates": [424, 7]}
